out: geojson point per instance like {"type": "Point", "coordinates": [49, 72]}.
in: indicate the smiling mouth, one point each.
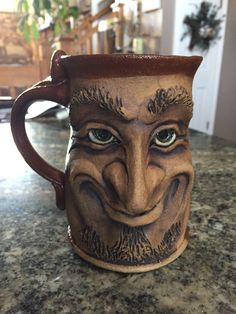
{"type": "Point", "coordinates": [175, 194]}
{"type": "Point", "coordinates": [134, 214]}
{"type": "Point", "coordinates": [133, 219]}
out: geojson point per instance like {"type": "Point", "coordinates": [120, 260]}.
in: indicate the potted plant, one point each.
{"type": "Point", "coordinates": [59, 15]}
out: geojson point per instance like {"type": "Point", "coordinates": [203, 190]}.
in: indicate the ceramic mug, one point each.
{"type": "Point", "coordinates": [128, 176]}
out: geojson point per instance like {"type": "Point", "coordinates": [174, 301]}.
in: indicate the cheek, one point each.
{"type": "Point", "coordinates": [179, 178]}
{"type": "Point", "coordinates": [81, 169]}
{"type": "Point", "coordinates": [176, 164]}
{"type": "Point", "coordinates": [86, 165]}
{"type": "Point", "coordinates": [179, 158]}
{"type": "Point", "coordinates": [180, 164]}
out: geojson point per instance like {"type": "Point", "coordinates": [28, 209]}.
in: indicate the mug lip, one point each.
{"type": "Point", "coordinates": [128, 65]}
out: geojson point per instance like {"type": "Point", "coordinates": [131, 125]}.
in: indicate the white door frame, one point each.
{"type": "Point", "coordinates": [181, 9]}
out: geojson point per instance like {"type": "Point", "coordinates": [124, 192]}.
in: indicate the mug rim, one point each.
{"type": "Point", "coordinates": [128, 65]}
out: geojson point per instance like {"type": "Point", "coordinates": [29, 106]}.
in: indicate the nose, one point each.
{"type": "Point", "coordinates": [133, 184]}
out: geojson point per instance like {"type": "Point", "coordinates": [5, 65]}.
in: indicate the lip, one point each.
{"type": "Point", "coordinates": [135, 220]}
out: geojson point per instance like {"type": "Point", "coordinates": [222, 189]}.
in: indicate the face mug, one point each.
{"type": "Point", "coordinates": [128, 176]}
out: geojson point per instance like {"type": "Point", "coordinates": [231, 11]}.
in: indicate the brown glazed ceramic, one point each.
{"type": "Point", "coordinates": [129, 175]}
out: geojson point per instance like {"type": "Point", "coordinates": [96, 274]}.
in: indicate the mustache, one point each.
{"type": "Point", "coordinates": [132, 247]}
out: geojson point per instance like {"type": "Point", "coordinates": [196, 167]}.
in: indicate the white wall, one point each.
{"type": "Point", "coordinates": [148, 5]}
{"type": "Point", "coordinates": [225, 122]}
{"type": "Point", "coordinates": [8, 5]}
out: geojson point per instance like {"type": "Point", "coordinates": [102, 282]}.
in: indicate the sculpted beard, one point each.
{"type": "Point", "coordinates": [132, 246]}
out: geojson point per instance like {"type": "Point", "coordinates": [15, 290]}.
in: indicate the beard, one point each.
{"type": "Point", "coordinates": [132, 246]}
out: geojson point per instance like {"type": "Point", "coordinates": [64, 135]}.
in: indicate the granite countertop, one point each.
{"type": "Point", "coordinates": [39, 273]}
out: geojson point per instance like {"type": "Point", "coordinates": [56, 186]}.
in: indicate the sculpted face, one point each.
{"type": "Point", "coordinates": [129, 173]}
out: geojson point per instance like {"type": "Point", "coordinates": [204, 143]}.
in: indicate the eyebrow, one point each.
{"type": "Point", "coordinates": [164, 98]}
{"type": "Point", "coordinates": [100, 97]}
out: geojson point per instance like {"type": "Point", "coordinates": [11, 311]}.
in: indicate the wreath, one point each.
{"type": "Point", "coordinates": [203, 27]}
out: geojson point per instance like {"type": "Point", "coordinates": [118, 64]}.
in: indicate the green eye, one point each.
{"type": "Point", "coordinates": [165, 137]}
{"type": "Point", "coordinates": [101, 136]}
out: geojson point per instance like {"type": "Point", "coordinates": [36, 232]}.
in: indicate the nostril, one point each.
{"type": "Point", "coordinates": [112, 191]}
{"type": "Point", "coordinates": [115, 179]}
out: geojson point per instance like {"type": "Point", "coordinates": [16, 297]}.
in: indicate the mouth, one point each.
{"type": "Point", "coordinates": [171, 201]}
{"type": "Point", "coordinates": [135, 220]}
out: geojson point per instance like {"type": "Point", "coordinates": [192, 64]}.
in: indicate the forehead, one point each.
{"type": "Point", "coordinates": [137, 92]}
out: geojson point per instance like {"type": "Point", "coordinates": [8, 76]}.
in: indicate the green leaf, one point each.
{"type": "Point", "coordinates": [35, 31]}
{"type": "Point", "coordinates": [57, 29]}
{"type": "Point", "coordinates": [46, 5]}
{"type": "Point", "coordinates": [36, 6]}
{"type": "Point", "coordinates": [74, 12]}
{"type": "Point", "coordinates": [26, 6]}
{"type": "Point", "coordinates": [23, 6]}
{"type": "Point", "coordinates": [26, 33]}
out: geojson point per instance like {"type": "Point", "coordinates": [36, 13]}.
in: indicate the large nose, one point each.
{"type": "Point", "coordinates": [134, 183]}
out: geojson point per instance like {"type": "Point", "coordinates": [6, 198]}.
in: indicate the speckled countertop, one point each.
{"type": "Point", "coordinates": [39, 273]}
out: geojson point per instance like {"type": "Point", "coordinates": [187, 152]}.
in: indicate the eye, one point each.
{"type": "Point", "coordinates": [101, 136]}
{"type": "Point", "coordinates": [164, 138]}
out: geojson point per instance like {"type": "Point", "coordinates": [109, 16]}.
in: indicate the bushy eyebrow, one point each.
{"type": "Point", "coordinates": [164, 98]}
{"type": "Point", "coordinates": [96, 95]}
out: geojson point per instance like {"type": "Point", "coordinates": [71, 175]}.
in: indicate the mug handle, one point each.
{"type": "Point", "coordinates": [54, 88]}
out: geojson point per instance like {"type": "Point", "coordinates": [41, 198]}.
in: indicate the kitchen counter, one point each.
{"type": "Point", "coordinates": [39, 273]}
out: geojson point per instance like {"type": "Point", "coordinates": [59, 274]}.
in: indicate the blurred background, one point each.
{"type": "Point", "coordinates": [32, 29]}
